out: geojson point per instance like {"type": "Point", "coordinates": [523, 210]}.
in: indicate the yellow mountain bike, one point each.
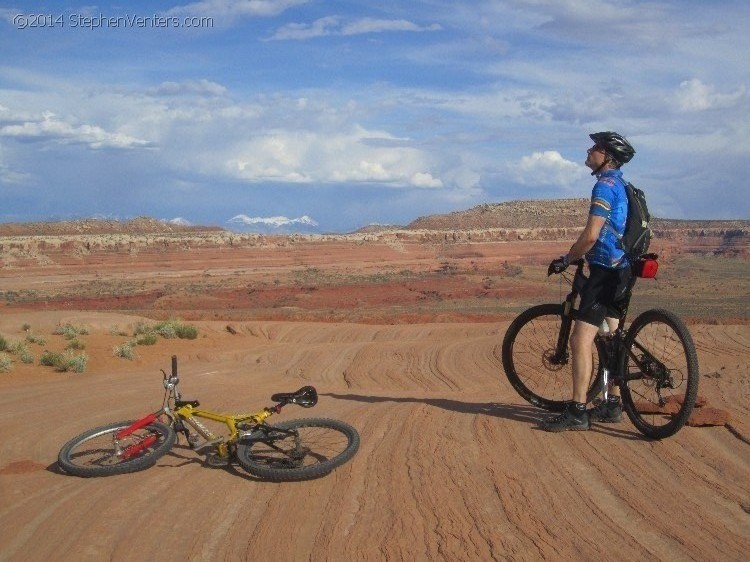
{"type": "Point", "coordinates": [299, 449]}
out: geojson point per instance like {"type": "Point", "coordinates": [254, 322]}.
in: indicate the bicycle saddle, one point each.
{"type": "Point", "coordinates": [306, 397]}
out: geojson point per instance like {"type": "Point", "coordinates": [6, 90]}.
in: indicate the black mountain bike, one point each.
{"type": "Point", "coordinates": [653, 362]}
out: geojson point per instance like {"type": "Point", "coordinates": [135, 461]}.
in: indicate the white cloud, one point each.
{"type": "Point", "coordinates": [230, 9]}
{"type": "Point", "coordinates": [548, 168]}
{"type": "Point", "coordinates": [189, 87]}
{"type": "Point", "coordinates": [48, 127]}
{"type": "Point", "coordinates": [319, 28]}
{"type": "Point", "coordinates": [337, 156]}
{"type": "Point", "coordinates": [373, 25]}
{"type": "Point", "coordinates": [694, 95]}
{"type": "Point", "coordinates": [332, 25]}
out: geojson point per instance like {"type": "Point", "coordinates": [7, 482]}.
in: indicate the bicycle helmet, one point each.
{"type": "Point", "coordinates": [615, 146]}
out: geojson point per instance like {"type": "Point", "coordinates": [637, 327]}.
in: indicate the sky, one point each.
{"type": "Point", "coordinates": [332, 115]}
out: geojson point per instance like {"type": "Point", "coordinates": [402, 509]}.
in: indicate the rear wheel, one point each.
{"type": "Point", "coordinates": [297, 449]}
{"type": "Point", "coordinates": [97, 452]}
{"type": "Point", "coordinates": [661, 367]}
{"type": "Point", "coordinates": [531, 362]}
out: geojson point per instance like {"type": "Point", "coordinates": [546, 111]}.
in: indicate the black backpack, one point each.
{"type": "Point", "coordinates": [637, 237]}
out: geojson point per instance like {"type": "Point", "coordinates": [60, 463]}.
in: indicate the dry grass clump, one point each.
{"type": "Point", "coordinates": [65, 361]}
{"type": "Point", "coordinates": [5, 362]}
{"type": "Point", "coordinates": [146, 333]}
{"type": "Point", "coordinates": [70, 331]}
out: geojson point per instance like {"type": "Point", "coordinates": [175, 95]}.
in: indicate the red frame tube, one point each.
{"type": "Point", "coordinates": [136, 426]}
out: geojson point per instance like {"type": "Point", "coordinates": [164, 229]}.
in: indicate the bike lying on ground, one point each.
{"type": "Point", "coordinates": [653, 362]}
{"type": "Point", "coordinates": [299, 449]}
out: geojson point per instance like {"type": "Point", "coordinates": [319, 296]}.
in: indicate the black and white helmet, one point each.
{"type": "Point", "coordinates": [615, 145]}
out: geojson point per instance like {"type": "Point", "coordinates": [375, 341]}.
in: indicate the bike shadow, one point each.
{"type": "Point", "coordinates": [514, 412]}
{"type": "Point", "coordinates": [185, 454]}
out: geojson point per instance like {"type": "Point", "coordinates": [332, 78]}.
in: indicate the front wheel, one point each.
{"type": "Point", "coordinates": [97, 452]}
{"type": "Point", "coordinates": [661, 374]}
{"type": "Point", "coordinates": [297, 449]}
{"type": "Point", "coordinates": [535, 368]}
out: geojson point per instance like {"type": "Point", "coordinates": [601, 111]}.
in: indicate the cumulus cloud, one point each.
{"type": "Point", "coordinates": [694, 95]}
{"type": "Point", "coordinates": [50, 128]}
{"type": "Point", "coordinates": [333, 25]}
{"type": "Point", "coordinates": [337, 156]}
{"type": "Point", "coordinates": [547, 168]}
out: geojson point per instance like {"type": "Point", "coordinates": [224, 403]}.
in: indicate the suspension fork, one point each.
{"type": "Point", "coordinates": [145, 443]}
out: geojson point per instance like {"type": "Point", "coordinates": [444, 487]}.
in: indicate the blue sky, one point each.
{"type": "Point", "coordinates": [341, 114]}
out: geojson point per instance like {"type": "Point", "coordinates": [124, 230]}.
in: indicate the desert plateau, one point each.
{"type": "Point", "coordinates": [399, 329]}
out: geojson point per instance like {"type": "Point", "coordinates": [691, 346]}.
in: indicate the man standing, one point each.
{"type": "Point", "coordinates": [603, 295]}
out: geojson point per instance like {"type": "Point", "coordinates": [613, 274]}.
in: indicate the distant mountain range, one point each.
{"type": "Point", "coordinates": [274, 225]}
{"type": "Point", "coordinates": [541, 214]}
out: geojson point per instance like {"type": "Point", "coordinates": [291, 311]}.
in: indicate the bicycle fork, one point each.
{"type": "Point", "coordinates": [136, 448]}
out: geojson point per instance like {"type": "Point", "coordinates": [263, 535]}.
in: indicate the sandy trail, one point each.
{"type": "Point", "coordinates": [451, 465]}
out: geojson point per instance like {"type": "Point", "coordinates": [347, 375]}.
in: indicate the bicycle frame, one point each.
{"type": "Point", "coordinates": [615, 368]}
{"type": "Point", "coordinates": [186, 412]}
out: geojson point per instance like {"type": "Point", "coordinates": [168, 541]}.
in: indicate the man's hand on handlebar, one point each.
{"type": "Point", "coordinates": [558, 265]}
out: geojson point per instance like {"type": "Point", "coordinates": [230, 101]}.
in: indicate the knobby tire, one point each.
{"type": "Point", "coordinates": [92, 453]}
{"type": "Point", "coordinates": [528, 347]}
{"type": "Point", "coordinates": [660, 339]}
{"type": "Point", "coordinates": [321, 445]}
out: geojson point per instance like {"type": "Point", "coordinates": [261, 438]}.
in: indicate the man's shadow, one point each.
{"type": "Point", "coordinates": [515, 412]}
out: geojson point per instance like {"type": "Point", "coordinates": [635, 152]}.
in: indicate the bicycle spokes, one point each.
{"type": "Point", "coordinates": [653, 372]}
{"type": "Point", "coordinates": [661, 373]}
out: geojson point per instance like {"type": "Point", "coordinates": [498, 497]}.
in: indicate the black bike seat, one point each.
{"type": "Point", "coordinates": [306, 397]}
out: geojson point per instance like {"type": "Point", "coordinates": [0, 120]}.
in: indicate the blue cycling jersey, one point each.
{"type": "Point", "coordinates": [609, 200]}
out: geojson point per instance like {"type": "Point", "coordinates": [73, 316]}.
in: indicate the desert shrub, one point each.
{"type": "Point", "coordinates": [186, 331]}
{"type": "Point", "coordinates": [26, 357]}
{"type": "Point", "coordinates": [70, 331]}
{"type": "Point", "coordinates": [31, 338]}
{"type": "Point", "coordinates": [116, 331]}
{"type": "Point", "coordinates": [75, 344]}
{"type": "Point", "coordinates": [26, 327]}
{"type": "Point", "coordinates": [22, 351]}
{"type": "Point", "coordinates": [73, 362]}
{"type": "Point", "coordinates": [146, 339]}
{"type": "Point", "coordinates": [176, 329]}
{"type": "Point", "coordinates": [124, 350]}
{"type": "Point", "coordinates": [5, 362]}
{"type": "Point", "coordinates": [50, 358]}
{"type": "Point", "coordinates": [3, 344]}
{"type": "Point", "coordinates": [142, 327]}
{"type": "Point", "coordinates": [63, 362]}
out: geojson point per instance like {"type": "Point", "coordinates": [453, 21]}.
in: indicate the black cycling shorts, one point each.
{"type": "Point", "coordinates": [605, 294]}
